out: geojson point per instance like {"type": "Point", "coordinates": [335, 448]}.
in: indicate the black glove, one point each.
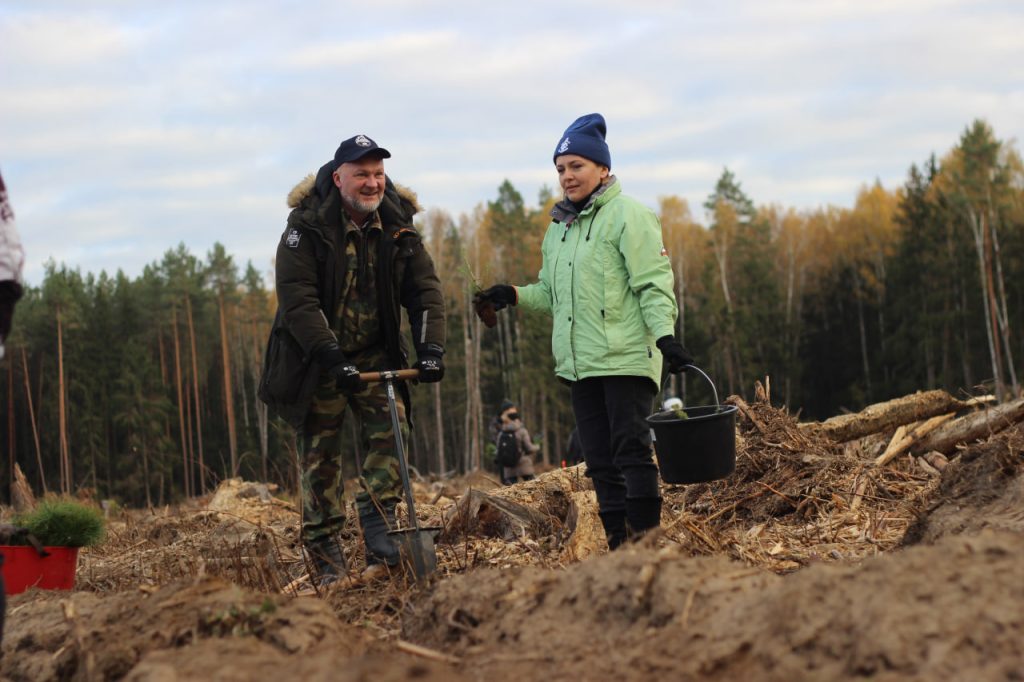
{"type": "Point", "coordinates": [676, 356]}
{"type": "Point", "coordinates": [430, 363]}
{"type": "Point", "coordinates": [345, 374]}
{"type": "Point", "coordinates": [500, 295]}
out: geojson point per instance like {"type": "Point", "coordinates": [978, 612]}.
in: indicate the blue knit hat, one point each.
{"type": "Point", "coordinates": [585, 137]}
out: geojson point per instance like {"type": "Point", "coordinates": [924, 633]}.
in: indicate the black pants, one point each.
{"type": "Point", "coordinates": [611, 417]}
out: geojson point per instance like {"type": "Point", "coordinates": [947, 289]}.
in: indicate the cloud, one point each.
{"type": "Point", "coordinates": [397, 47]}
{"type": "Point", "coordinates": [127, 128]}
{"type": "Point", "coordinates": [58, 40]}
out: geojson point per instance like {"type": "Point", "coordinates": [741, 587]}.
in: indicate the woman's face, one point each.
{"type": "Point", "coordinates": [578, 176]}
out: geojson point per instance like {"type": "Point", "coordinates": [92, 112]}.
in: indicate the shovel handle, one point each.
{"type": "Point", "coordinates": [384, 375]}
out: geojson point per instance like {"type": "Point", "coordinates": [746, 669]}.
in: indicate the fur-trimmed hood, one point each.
{"type": "Point", "coordinates": [321, 183]}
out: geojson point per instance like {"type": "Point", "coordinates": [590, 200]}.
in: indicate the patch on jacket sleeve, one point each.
{"type": "Point", "coordinates": [292, 240]}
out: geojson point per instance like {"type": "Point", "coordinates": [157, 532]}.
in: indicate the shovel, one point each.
{"type": "Point", "coordinates": [416, 543]}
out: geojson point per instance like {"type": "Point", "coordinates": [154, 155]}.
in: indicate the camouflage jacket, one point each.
{"type": "Point", "coordinates": [309, 279]}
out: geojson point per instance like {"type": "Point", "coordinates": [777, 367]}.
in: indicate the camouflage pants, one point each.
{"type": "Point", "coordinates": [323, 506]}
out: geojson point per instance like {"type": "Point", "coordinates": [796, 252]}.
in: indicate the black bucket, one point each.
{"type": "Point", "coordinates": [698, 448]}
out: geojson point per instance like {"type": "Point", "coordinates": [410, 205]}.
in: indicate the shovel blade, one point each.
{"type": "Point", "coordinates": [417, 548]}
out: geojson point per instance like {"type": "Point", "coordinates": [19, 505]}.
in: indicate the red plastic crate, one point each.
{"type": "Point", "coordinates": [24, 568]}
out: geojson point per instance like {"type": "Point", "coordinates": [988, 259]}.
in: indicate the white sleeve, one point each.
{"type": "Point", "coordinates": [12, 256]}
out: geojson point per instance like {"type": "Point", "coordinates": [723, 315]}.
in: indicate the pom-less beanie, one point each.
{"type": "Point", "coordinates": [585, 137]}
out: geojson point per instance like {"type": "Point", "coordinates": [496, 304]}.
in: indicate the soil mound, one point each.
{"type": "Point", "coordinates": [197, 630]}
{"type": "Point", "coordinates": [982, 488]}
{"type": "Point", "coordinates": [951, 611]}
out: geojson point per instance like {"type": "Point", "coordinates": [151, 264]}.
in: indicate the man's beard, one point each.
{"type": "Point", "coordinates": [357, 204]}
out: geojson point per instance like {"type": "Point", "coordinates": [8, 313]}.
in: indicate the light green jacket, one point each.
{"type": "Point", "coordinates": [607, 282]}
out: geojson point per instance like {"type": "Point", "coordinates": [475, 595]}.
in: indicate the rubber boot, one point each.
{"type": "Point", "coordinates": [614, 528]}
{"type": "Point", "coordinates": [380, 547]}
{"type": "Point", "coordinates": [328, 560]}
{"type": "Point", "coordinates": [642, 514]}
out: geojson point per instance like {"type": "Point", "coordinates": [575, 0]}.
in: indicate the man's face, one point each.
{"type": "Point", "coordinates": [361, 184]}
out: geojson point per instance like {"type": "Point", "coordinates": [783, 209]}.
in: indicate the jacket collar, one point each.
{"type": "Point", "coordinates": [565, 212]}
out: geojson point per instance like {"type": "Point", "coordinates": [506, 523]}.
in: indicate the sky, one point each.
{"type": "Point", "coordinates": [127, 128]}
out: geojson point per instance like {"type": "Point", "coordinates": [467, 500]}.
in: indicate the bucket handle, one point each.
{"type": "Point", "coordinates": [713, 389]}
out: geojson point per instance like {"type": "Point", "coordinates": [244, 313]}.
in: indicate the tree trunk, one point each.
{"type": "Point", "coordinates": [679, 380]}
{"type": "Point", "coordinates": [1002, 315]}
{"type": "Point", "coordinates": [971, 427]}
{"type": "Point", "coordinates": [965, 348]}
{"type": "Point", "coordinates": [145, 473]}
{"type": "Point", "coordinates": [185, 441]}
{"type": "Point", "coordinates": [163, 359]}
{"type": "Point", "coordinates": [190, 471]}
{"type": "Point", "coordinates": [863, 342]}
{"type": "Point", "coordinates": [478, 411]}
{"type": "Point", "coordinates": [195, 389]}
{"type": "Point", "coordinates": [981, 248]}
{"type": "Point", "coordinates": [262, 417]}
{"type": "Point", "coordinates": [32, 420]}
{"type": "Point", "coordinates": [65, 462]}
{"type": "Point", "coordinates": [10, 424]}
{"type": "Point", "coordinates": [229, 398]}
{"type": "Point", "coordinates": [467, 346]}
{"type": "Point", "coordinates": [439, 428]}
{"type": "Point", "coordinates": [886, 415]}
{"type": "Point", "coordinates": [548, 444]}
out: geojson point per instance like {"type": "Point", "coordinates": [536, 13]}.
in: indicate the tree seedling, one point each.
{"type": "Point", "coordinates": [484, 309]}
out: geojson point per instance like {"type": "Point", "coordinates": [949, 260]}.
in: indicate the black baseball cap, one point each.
{"type": "Point", "coordinates": [355, 148]}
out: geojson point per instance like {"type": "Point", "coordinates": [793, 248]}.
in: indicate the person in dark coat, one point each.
{"type": "Point", "coordinates": [348, 261]}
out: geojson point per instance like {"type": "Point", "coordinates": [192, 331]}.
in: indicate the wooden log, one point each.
{"type": "Point", "coordinates": [970, 428]}
{"type": "Point", "coordinates": [905, 438]}
{"type": "Point", "coordinates": [886, 416]}
{"type": "Point", "coordinates": [585, 532]}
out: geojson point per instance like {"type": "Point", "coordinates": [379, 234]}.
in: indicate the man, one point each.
{"type": "Point", "coordinates": [348, 260]}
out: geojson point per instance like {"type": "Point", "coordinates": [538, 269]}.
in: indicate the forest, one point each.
{"type": "Point", "coordinates": [142, 390]}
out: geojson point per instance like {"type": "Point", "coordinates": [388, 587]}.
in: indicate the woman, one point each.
{"type": "Point", "coordinates": [606, 280]}
{"type": "Point", "coordinates": [511, 435]}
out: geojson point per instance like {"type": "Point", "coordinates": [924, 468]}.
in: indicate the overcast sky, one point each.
{"type": "Point", "coordinates": [128, 127]}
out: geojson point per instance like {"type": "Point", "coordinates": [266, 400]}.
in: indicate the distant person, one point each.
{"type": "Point", "coordinates": [12, 260]}
{"type": "Point", "coordinates": [514, 450]}
{"type": "Point", "coordinates": [348, 261]}
{"type": "Point", "coordinates": [606, 280]}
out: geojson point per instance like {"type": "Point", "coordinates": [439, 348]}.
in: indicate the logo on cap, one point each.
{"type": "Point", "coordinates": [364, 141]}
{"type": "Point", "coordinates": [564, 147]}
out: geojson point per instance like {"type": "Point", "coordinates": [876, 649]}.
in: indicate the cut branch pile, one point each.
{"type": "Point", "coordinates": [839, 490]}
{"type": "Point", "coordinates": [806, 492]}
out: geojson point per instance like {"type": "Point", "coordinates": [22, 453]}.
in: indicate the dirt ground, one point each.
{"type": "Point", "coordinates": [806, 564]}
